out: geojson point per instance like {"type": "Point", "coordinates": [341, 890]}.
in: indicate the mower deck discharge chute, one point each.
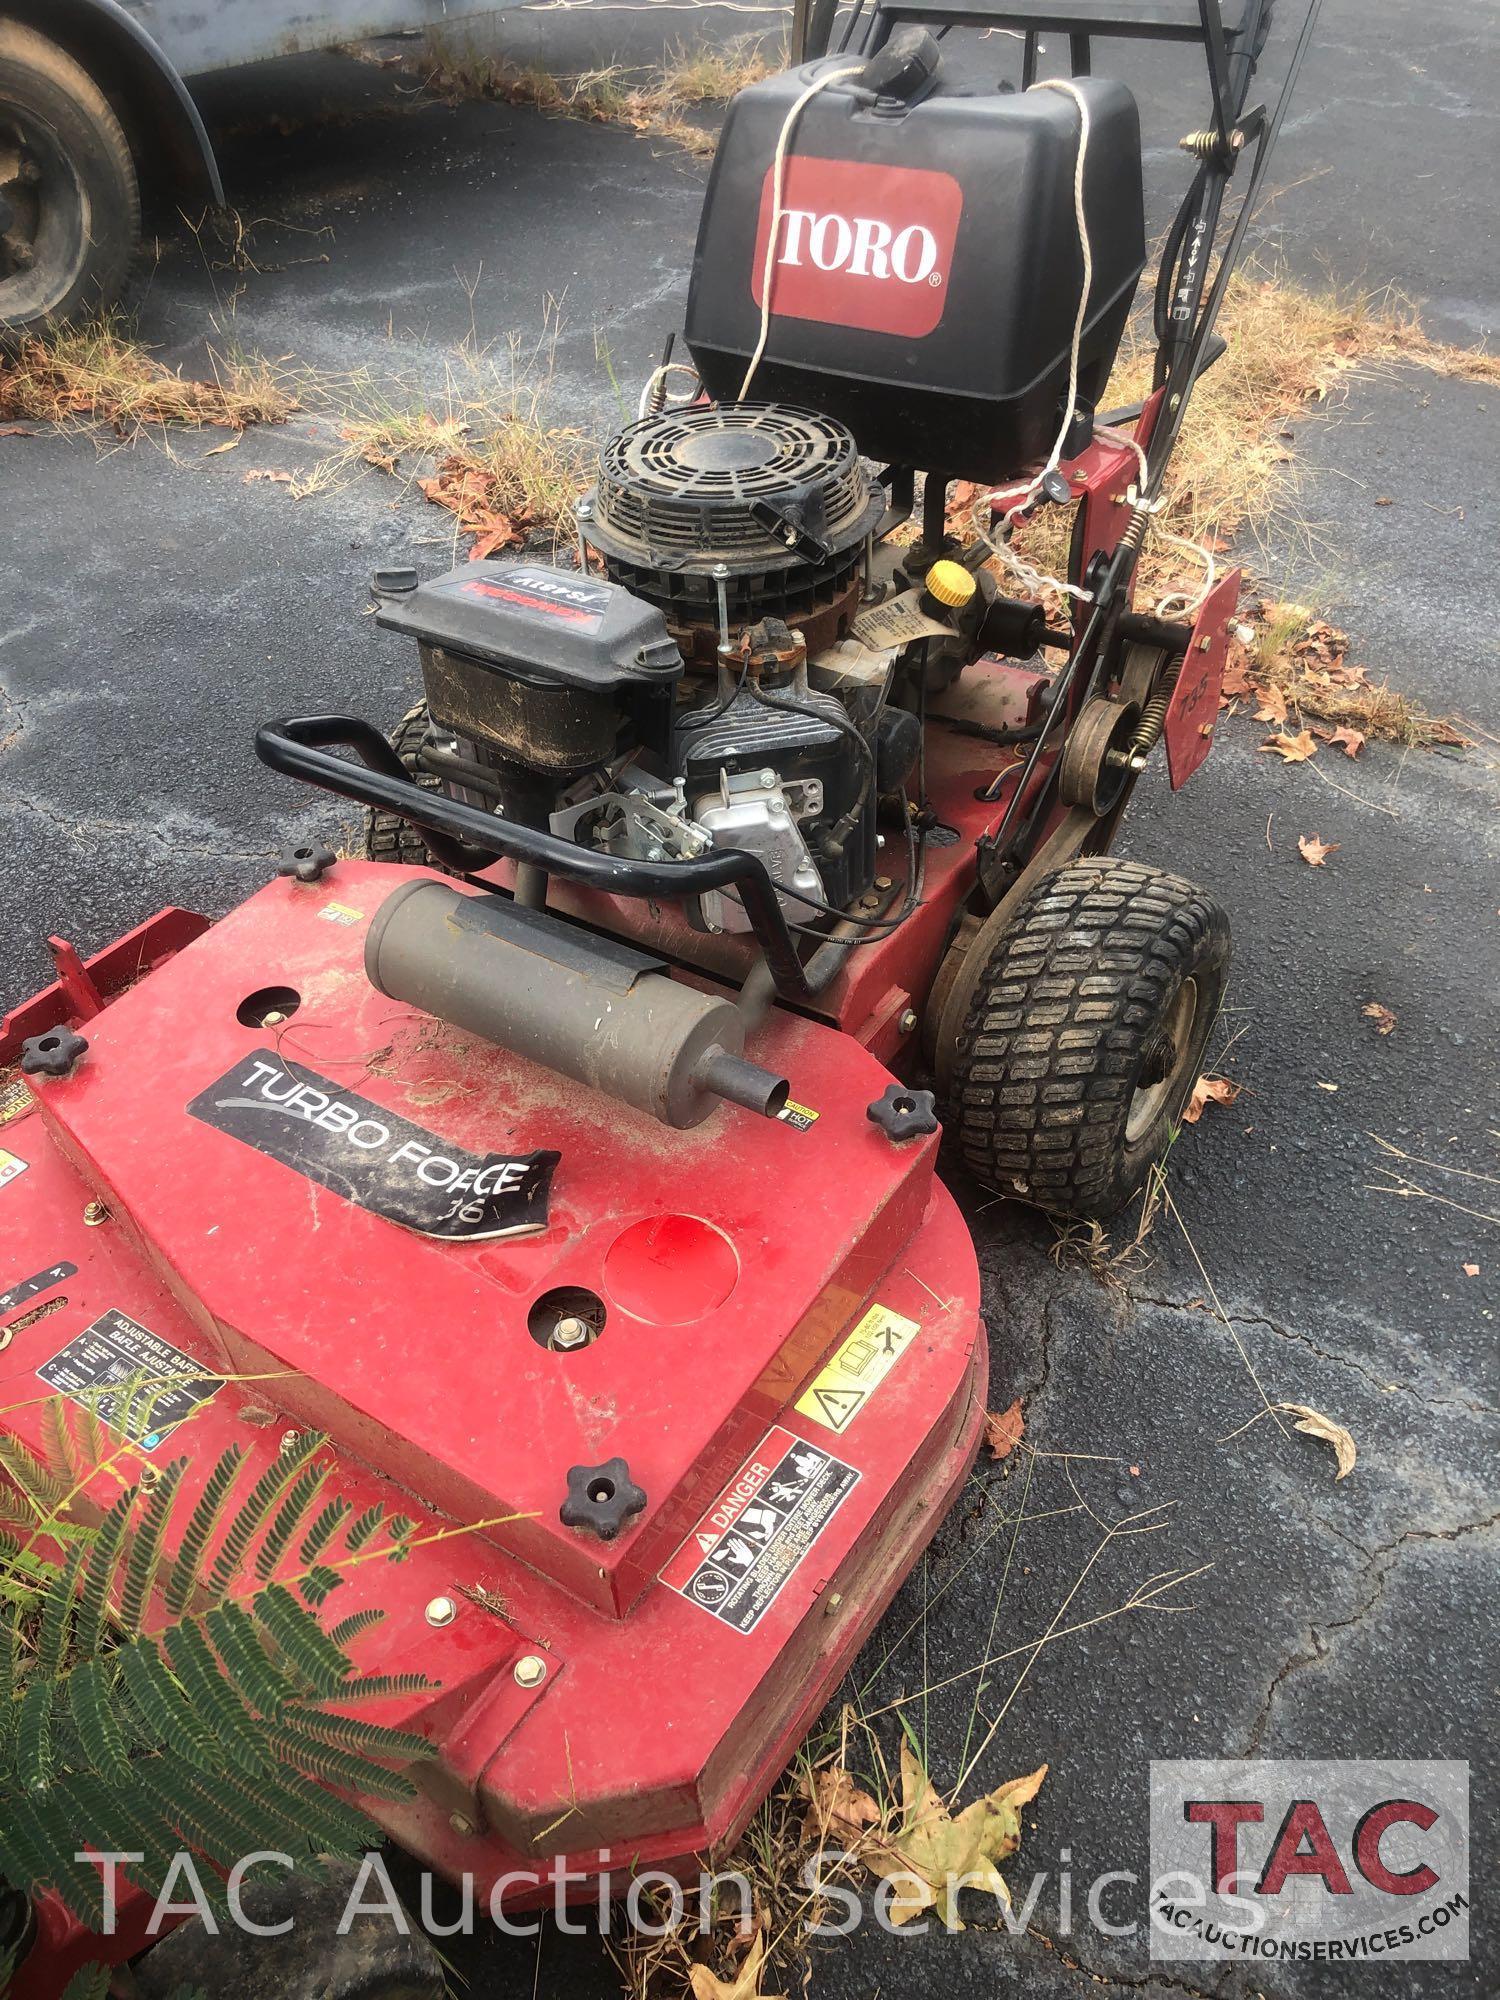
{"type": "Point", "coordinates": [575, 1174]}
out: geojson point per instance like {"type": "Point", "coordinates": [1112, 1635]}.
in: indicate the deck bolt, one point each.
{"type": "Point", "coordinates": [907, 1022]}
{"type": "Point", "coordinates": [832, 1602]}
{"type": "Point", "coordinates": [273, 1020]}
{"type": "Point", "coordinates": [530, 1670]}
{"type": "Point", "coordinates": [147, 1476]}
{"type": "Point", "coordinates": [461, 1823]}
{"type": "Point", "coordinates": [571, 1331]}
{"type": "Point", "coordinates": [1205, 644]}
{"type": "Point", "coordinates": [441, 1611]}
{"type": "Point", "coordinates": [290, 1440]}
{"type": "Point", "coordinates": [95, 1213]}
{"type": "Point", "coordinates": [882, 883]}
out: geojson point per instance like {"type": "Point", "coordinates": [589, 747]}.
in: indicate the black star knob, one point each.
{"type": "Point", "coordinates": [52, 1054]}
{"type": "Point", "coordinates": [307, 860]}
{"type": "Point", "coordinates": [903, 1113]}
{"type": "Point", "coordinates": [601, 1498]}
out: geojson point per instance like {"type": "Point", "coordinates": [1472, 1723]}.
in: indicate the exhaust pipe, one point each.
{"type": "Point", "coordinates": [587, 1006]}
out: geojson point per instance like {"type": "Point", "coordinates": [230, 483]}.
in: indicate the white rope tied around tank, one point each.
{"type": "Point", "coordinates": [983, 512]}
{"type": "Point", "coordinates": [778, 177]}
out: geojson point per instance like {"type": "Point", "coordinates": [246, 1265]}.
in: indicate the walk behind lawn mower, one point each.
{"type": "Point", "coordinates": [575, 1175]}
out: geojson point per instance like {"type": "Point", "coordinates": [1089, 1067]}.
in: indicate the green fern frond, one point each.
{"type": "Point", "coordinates": [207, 1816]}
{"type": "Point", "coordinates": [143, 1563]}
{"type": "Point", "coordinates": [319, 1585]}
{"type": "Point", "coordinates": [322, 1531]}
{"type": "Point", "coordinates": [42, 1488]}
{"type": "Point", "coordinates": [304, 1644]}
{"type": "Point", "coordinates": [57, 1615]}
{"type": "Point", "coordinates": [89, 1982]}
{"type": "Point", "coordinates": [356, 1625]}
{"type": "Point", "coordinates": [102, 1558]}
{"type": "Point", "coordinates": [257, 1678]}
{"type": "Point", "coordinates": [37, 1843]}
{"type": "Point", "coordinates": [33, 1759]}
{"type": "Point", "coordinates": [164, 1707]}
{"type": "Point", "coordinates": [91, 1698]}
{"type": "Point", "coordinates": [60, 1446]}
{"type": "Point", "coordinates": [363, 1528]}
{"type": "Point", "coordinates": [215, 1701]}
{"type": "Point", "coordinates": [330, 1825]}
{"type": "Point", "coordinates": [300, 1497]}
{"type": "Point", "coordinates": [333, 1766]}
{"type": "Point", "coordinates": [252, 1513]}
{"type": "Point", "coordinates": [373, 1687]}
{"type": "Point", "coordinates": [216, 1490]}
{"type": "Point", "coordinates": [370, 1739]}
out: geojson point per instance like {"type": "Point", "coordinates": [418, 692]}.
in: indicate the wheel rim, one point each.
{"type": "Point", "coordinates": [44, 216]}
{"type": "Point", "coordinates": [1162, 1072]}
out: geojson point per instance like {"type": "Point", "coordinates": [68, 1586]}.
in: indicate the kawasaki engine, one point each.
{"type": "Point", "coordinates": [713, 688]}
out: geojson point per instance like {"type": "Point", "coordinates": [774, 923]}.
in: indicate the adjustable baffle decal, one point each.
{"type": "Point", "coordinates": [751, 1540]}
{"type": "Point", "coordinates": [373, 1157]}
{"type": "Point", "coordinates": [167, 1385]}
{"type": "Point", "coordinates": [839, 1391]}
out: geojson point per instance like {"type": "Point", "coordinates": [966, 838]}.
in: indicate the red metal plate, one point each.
{"type": "Point", "coordinates": [1193, 712]}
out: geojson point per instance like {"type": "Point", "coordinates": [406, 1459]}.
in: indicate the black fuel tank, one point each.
{"type": "Point", "coordinates": [928, 265]}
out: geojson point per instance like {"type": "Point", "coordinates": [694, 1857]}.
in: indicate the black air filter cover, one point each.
{"type": "Point", "coordinates": [752, 485]}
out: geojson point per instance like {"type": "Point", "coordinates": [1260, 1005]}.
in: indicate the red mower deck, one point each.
{"type": "Point", "coordinates": [792, 1364]}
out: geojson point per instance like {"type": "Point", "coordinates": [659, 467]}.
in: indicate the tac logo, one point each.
{"type": "Point", "coordinates": [859, 246]}
{"type": "Point", "coordinates": [1335, 1861]}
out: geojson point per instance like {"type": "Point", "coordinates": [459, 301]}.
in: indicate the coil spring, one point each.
{"type": "Point", "coordinates": [1206, 144]}
{"type": "Point", "coordinates": [1135, 533]}
{"type": "Point", "coordinates": [1154, 715]}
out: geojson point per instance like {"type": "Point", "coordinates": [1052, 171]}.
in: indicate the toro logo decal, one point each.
{"type": "Point", "coordinates": [859, 246]}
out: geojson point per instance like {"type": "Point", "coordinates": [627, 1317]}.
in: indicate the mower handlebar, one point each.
{"type": "Point", "coordinates": [466, 840]}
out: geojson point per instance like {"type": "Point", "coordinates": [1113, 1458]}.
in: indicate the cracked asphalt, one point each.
{"type": "Point", "coordinates": [156, 606]}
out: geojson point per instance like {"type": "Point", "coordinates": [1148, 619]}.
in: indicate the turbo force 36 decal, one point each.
{"type": "Point", "coordinates": [374, 1158]}
{"type": "Point", "coordinates": [752, 1539]}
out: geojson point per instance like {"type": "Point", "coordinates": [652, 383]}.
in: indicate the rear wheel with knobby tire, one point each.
{"type": "Point", "coordinates": [1085, 1033]}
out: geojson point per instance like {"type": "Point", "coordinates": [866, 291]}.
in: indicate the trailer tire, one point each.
{"type": "Point", "coordinates": [70, 205]}
{"type": "Point", "coordinates": [1086, 1032]}
{"type": "Point", "coordinates": [388, 837]}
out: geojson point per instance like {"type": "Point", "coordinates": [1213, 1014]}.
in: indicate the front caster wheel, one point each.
{"type": "Point", "coordinates": [1085, 1033]}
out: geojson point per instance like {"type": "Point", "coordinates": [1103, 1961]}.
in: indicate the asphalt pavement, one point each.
{"type": "Point", "coordinates": [156, 606]}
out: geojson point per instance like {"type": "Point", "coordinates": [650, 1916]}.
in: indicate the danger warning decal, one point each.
{"type": "Point", "coordinates": [374, 1158]}
{"type": "Point", "coordinates": [838, 1392]}
{"type": "Point", "coordinates": [117, 1348]}
{"type": "Point", "coordinates": [764, 1522]}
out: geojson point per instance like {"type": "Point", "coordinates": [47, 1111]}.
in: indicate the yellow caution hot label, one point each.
{"type": "Point", "coordinates": [838, 1392]}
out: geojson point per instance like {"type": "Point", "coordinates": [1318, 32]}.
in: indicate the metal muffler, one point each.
{"type": "Point", "coordinates": [588, 1006]}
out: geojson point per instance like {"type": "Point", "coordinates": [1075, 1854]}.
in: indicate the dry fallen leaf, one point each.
{"type": "Point", "coordinates": [1314, 851]}
{"type": "Point", "coordinates": [231, 444]}
{"type": "Point", "coordinates": [1209, 1090]}
{"type": "Point", "coordinates": [746, 1983]}
{"type": "Point", "coordinates": [1350, 741]}
{"type": "Point", "coordinates": [277, 478]}
{"type": "Point", "coordinates": [1317, 1425]}
{"type": "Point", "coordinates": [1295, 749]}
{"type": "Point", "coordinates": [1384, 1019]}
{"type": "Point", "coordinates": [1272, 705]}
{"type": "Point", "coordinates": [503, 534]}
{"type": "Point", "coordinates": [15, 431]}
{"type": "Point", "coordinates": [1003, 1429]}
{"type": "Point", "coordinates": [931, 1852]}
{"type": "Point", "coordinates": [1471, 1270]}
{"type": "Point", "coordinates": [837, 1806]}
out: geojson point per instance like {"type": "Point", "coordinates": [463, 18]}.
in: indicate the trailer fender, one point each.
{"type": "Point", "coordinates": [173, 153]}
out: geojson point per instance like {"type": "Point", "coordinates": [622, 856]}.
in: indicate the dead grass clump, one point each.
{"type": "Point", "coordinates": [485, 448]}
{"type": "Point", "coordinates": [651, 102]}
{"type": "Point", "coordinates": [101, 374]}
{"type": "Point", "coordinates": [1296, 667]}
{"type": "Point", "coordinates": [1291, 349]}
